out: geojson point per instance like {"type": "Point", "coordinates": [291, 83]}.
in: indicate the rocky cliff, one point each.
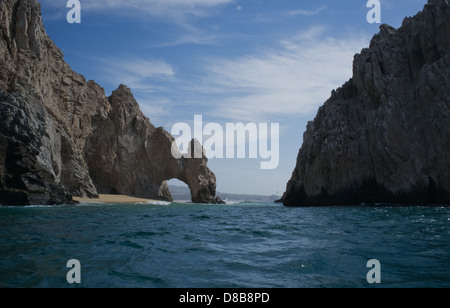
{"type": "Point", "coordinates": [61, 136]}
{"type": "Point", "coordinates": [384, 136]}
{"type": "Point", "coordinates": [128, 155]}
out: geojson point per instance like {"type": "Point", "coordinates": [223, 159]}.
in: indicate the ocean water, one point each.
{"type": "Point", "coordinates": [244, 245]}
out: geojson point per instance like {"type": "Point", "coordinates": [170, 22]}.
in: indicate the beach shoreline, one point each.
{"type": "Point", "coordinates": [123, 199]}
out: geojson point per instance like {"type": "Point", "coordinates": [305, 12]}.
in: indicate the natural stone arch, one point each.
{"type": "Point", "coordinates": [127, 154]}
{"type": "Point", "coordinates": [66, 136]}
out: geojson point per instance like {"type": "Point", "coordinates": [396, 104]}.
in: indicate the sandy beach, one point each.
{"type": "Point", "coordinates": [113, 199]}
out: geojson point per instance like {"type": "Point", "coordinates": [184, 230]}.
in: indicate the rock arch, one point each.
{"type": "Point", "coordinates": [128, 155]}
{"type": "Point", "coordinates": [66, 137]}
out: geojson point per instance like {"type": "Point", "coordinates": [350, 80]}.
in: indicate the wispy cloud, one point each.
{"type": "Point", "coordinates": [182, 14]}
{"type": "Point", "coordinates": [306, 12]}
{"type": "Point", "coordinates": [191, 34]}
{"type": "Point", "coordinates": [293, 78]}
{"type": "Point", "coordinates": [282, 14]}
{"type": "Point", "coordinates": [149, 8]}
{"type": "Point", "coordinates": [154, 108]}
{"type": "Point", "coordinates": [137, 73]}
{"type": "Point", "coordinates": [150, 80]}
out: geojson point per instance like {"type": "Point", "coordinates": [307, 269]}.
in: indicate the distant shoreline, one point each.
{"type": "Point", "coordinates": [113, 199]}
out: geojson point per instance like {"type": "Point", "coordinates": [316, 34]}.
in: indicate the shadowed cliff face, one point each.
{"type": "Point", "coordinates": [61, 136]}
{"type": "Point", "coordinates": [384, 137]}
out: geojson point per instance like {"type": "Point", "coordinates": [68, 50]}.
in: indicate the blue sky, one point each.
{"type": "Point", "coordinates": [250, 61]}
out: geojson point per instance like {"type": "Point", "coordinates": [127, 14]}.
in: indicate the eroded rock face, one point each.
{"type": "Point", "coordinates": [51, 116]}
{"type": "Point", "coordinates": [384, 137]}
{"type": "Point", "coordinates": [46, 110]}
{"type": "Point", "coordinates": [128, 155]}
{"type": "Point", "coordinates": [31, 164]}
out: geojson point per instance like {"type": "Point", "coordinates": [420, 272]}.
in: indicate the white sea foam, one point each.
{"type": "Point", "coordinates": [183, 201]}
{"type": "Point", "coordinates": [27, 206]}
{"type": "Point", "coordinates": [232, 202]}
{"type": "Point", "coordinates": [165, 203]}
{"type": "Point", "coordinates": [41, 206]}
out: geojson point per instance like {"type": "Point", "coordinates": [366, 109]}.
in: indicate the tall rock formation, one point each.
{"type": "Point", "coordinates": [61, 136]}
{"type": "Point", "coordinates": [384, 137]}
{"type": "Point", "coordinates": [129, 155]}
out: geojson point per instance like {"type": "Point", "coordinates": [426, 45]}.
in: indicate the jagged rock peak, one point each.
{"type": "Point", "coordinates": [383, 137]}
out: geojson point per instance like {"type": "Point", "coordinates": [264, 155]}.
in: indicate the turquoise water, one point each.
{"type": "Point", "coordinates": [242, 245]}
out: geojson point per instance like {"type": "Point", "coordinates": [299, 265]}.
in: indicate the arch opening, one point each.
{"type": "Point", "coordinates": [179, 190]}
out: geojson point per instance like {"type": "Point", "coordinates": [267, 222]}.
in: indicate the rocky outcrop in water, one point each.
{"type": "Point", "coordinates": [61, 136]}
{"type": "Point", "coordinates": [384, 137]}
{"type": "Point", "coordinates": [128, 155]}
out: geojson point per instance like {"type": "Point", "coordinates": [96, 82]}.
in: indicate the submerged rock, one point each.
{"type": "Point", "coordinates": [384, 137]}
{"type": "Point", "coordinates": [61, 136]}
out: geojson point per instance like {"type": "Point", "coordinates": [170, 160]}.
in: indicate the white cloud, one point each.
{"type": "Point", "coordinates": [149, 8]}
{"type": "Point", "coordinates": [159, 3]}
{"type": "Point", "coordinates": [136, 73]}
{"type": "Point", "coordinates": [181, 13]}
{"type": "Point", "coordinates": [307, 12]}
{"type": "Point", "coordinates": [293, 78]}
{"type": "Point", "coordinates": [147, 68]}
{"type": "Point", "coordinates": [192, 35]}
{"type": "Point", "coordinates": [154, 108]}
{"type": "Point", "coordinates": [149, 79]}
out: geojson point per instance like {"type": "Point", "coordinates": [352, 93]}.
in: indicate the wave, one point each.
{"type": "Point", "coordinates": [33, 206]}
{"type": "Point", "coordinates": [165, 203]}
{"type": "Point", "coordinates": [43, 206]}
{"type": "Point", "coordinates": [244, 202]}
{"type": "Point", "coordinates": [232, 202]}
